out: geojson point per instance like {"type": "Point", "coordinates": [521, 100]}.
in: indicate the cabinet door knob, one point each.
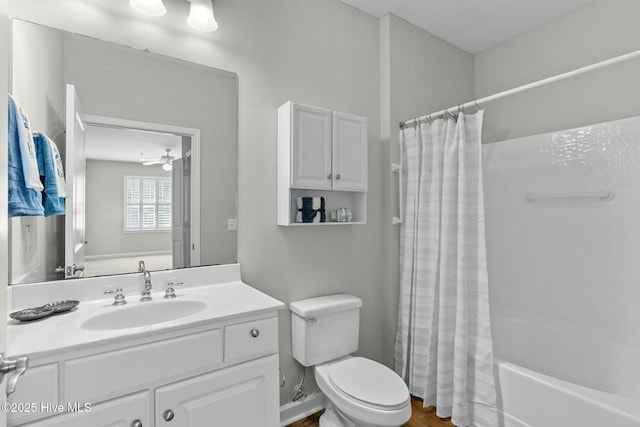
{"type": "Point", "coordinates": [255, 332]}
{"type": "Point", "coordinates": [168, 415]}
{"type": "Point", "coordinates": [136, 423]}
{"type": "Point", "coordinates": [338, 176]}
{"type": "Point", "coordinates": [329, 176]}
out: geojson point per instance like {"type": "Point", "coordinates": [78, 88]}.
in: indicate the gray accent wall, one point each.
{"type": "Point", "coordinates": [601, 30]}
{"type": "Point", "coordinates": [42, 96]}
{"type": "Point", "coordinates": [105, 211]}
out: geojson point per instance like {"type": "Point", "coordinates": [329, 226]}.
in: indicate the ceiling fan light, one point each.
{"type": "Point", "coordinates": [167, 167]}
{"type": "Point", "coordinates": [149, 7]}
{"type": "Point", "coordinates": [201, 16]}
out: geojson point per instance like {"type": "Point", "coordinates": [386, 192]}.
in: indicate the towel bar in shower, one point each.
{"type": "Point", "coordinates": [605, 195]}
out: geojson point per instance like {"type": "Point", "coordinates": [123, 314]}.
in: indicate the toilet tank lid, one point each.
{"type": "Point", "coordinates": [320, 306]}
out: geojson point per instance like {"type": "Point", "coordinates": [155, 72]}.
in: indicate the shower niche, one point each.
{"type": "Point", "coordinates": [321, 153]}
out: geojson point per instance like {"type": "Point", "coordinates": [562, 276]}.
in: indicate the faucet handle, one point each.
{"type": "Point", "coordinates": [170, 292]}
{"type": "Point", "coordinates": [119, 298]}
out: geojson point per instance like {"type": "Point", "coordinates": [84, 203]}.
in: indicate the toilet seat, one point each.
{"type": "Point", "coordinates": [370, 383]}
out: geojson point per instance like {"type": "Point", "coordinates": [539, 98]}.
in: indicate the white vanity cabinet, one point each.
{"type": "Point", "coordinates": [321, 153]}
{"type": "Point", "coordinates": [218, 373]}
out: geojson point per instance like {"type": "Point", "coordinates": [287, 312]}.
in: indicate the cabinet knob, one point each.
{"type": "Point", "coordinates": [136, 423]}
{"type": "Point", "coordinates": [255, 332]}
{"type": "Point", "coordinates": [329, 176]}
{"type": "Point", "coordinates": [338, 176]}
{"type": "Point", "coordinates": [168, 415]}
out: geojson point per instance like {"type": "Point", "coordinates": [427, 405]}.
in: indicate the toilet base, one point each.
{"type": "Point", "coordinates": [333, 418]}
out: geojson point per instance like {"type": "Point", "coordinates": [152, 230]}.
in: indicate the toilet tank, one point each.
{"type": "Point", "coordinates": [324, 328]}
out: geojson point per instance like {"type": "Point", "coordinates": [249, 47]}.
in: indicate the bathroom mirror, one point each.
{"type": "Point", "coordinates": [137, 106]}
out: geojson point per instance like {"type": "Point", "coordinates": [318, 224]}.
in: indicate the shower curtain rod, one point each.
{"type": "Point", "coordinates": [522, 88]}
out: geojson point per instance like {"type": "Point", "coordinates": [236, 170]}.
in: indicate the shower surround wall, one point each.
{"type": "Point", "coordinates": [564, 273]}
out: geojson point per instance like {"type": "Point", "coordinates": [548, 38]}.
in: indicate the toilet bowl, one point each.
{"type": "Point", "coordinates": [364, 393]}
{"type": "Point", "coordinates": [360, 391]}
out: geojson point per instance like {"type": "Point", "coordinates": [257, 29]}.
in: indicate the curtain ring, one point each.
{"type": "Point", "coordinates": [475, 102]}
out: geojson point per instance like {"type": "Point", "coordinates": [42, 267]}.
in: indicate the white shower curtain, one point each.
{"type": "Point", "coordinates": [443, 346]}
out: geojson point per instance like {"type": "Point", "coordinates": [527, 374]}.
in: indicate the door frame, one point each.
{"type": "Point", "coordinates": [194, 134]}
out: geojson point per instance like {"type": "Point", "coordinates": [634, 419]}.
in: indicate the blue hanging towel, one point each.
{"type": "Point", "coordinates": [23, 201]}
{"type": "Point", "coordinates": [51, 175]}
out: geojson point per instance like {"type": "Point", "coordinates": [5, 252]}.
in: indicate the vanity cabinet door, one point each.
{"type": "Point", "coordinates": [121, 412]}
{"type": "Point", "coordinates": [240, 396]}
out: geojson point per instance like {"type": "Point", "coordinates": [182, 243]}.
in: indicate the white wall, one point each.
{"type": "Point", "coordinates": [105, 193]}
{"type": "Point", "coordinates": [42, 96]}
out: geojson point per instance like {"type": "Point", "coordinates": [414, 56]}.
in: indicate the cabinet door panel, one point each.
{"type": "Point", "coordinates": [120, 412]}
{"type": "Point", "coordinates": [240, 396]}
{"type": "Point", "coordinates": [311, 148]}
{"type": "Point", "coordinates": [349, 152]}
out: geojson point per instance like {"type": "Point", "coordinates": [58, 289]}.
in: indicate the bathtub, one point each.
{"type": "Point", "coordinates": [529, 398]}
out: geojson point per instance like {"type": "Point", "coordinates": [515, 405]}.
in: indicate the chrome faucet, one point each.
{"type": "Point", "coordinates": [146, 291]}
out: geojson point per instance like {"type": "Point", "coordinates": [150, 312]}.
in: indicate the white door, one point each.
{"type": "Point", "coordinates": [311, 148]}
{"type": "Point", "coordinates": [349, 152]}
{"type": "Point", "coordinates": [74, 233]}
{"type": "Point", "coordinates": [177, 215]}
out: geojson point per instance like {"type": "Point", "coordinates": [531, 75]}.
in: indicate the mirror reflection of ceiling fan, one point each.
{"type": "Point", "coordinates": [166, 161]}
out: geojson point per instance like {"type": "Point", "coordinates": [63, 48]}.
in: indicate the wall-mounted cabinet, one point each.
{"type": "Point", "coordinates": [321, 153]}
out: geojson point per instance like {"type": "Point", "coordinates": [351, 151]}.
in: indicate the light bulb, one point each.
{"type": "Point", "coordinates": [201, 16]}
{"type": "Point", "coordinates": [167, 167]}
{"type": "Point", "coordinates": [149, 7]}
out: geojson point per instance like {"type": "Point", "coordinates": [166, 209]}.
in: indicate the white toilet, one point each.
{"type": "Point", "coordinates": [362, 392]}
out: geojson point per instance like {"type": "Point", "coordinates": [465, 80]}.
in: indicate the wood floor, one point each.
{"type": "Point", "coordinates": [421, 417]}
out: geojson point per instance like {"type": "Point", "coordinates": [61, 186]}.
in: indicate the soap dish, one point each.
{"type": "Point", "coordinates": [61, 306]}
{"type": "Point", "coordinates": [29, 314]}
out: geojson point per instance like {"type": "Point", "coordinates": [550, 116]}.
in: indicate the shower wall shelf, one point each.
{"type": "Point", "coordinates": [604, 195]}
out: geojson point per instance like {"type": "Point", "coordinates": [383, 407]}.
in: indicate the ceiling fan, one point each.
{"type": "Point", "coordinates": [166, 161]}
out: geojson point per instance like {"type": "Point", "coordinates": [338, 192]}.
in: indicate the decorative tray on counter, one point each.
{"type": "Point", "coordinates": [35, 313]}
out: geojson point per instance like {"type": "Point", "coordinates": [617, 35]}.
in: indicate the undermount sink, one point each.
{"type": "Point", "coordinates": [143, 314]}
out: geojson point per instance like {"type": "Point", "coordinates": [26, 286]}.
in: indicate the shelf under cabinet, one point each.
{"type": "Point", "coordinates": [356, 201]}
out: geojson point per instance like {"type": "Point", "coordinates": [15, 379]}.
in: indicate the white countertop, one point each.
{"type": "Point", "coordinates": [63, 331]}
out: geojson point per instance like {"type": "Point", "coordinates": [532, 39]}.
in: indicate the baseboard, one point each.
{"type": "Point", "coordinates": [294, 411]}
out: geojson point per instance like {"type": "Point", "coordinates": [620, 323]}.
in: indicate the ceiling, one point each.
{"type": "Point", "coordinates": [472, 25]}
{"type": "Point", "coordinates": [129, 145]}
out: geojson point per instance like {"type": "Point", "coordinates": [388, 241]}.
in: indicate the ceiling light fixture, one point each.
{"type": "Point", "coordinates": [149, 7]}
{"type": "Point", "coordinates": [201, 16]}
{"type": "Point", "coordinates": [167, 167]}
